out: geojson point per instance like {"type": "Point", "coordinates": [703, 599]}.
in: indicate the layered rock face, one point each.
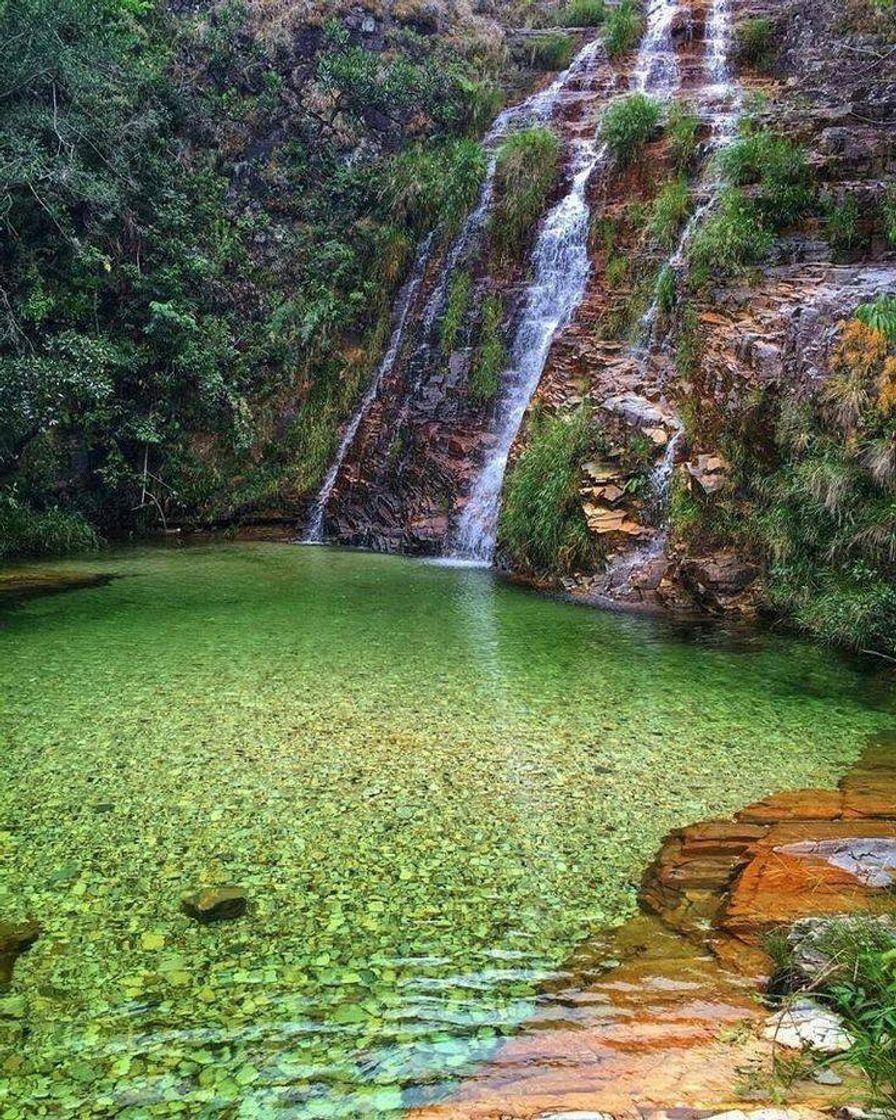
{"type": "Point", "coordinates": [686, 380]}
{"type": "Point", "coordinates": [671, 1027]}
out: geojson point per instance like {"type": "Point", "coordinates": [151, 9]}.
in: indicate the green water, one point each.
{"type": "Point", "coordinates": [431, 784]}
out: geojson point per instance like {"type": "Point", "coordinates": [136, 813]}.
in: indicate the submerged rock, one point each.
{"type": "Point", "coordinates": [15, 938]}
{"type": "Point", "coordinates": [215, 904]}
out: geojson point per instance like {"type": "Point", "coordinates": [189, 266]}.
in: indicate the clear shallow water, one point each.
{"type": "Point", "coordinates": [433, 785]}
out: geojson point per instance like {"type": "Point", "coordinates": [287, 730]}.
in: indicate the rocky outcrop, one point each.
{"type": "Point", "coordinates": [674, 1028]}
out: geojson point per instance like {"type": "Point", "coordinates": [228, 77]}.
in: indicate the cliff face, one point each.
{"type": "Point", "coordinates": [731, 246]}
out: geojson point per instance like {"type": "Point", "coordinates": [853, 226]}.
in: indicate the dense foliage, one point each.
{"type": "Point", "coordinates": [196, 279]}
{"type": "Point", "coordinates": [628, 124]}
{"type": "Point", "coordinates": [542, 527]}
{"type": "Point", "coordinates": [526, 172]}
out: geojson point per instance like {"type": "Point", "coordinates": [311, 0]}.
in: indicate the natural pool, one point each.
{"type": "Point", "coordinates": [432, 785]}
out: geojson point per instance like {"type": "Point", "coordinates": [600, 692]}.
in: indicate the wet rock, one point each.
{"type": "Point", "coordinates": [708, 474]}
{"type": "Point", "coordinates": [826, 1077]}
{"type": "Point", "coordinates": [15, 938]}
{"type": "Point", "coordinates": [806, 1024]}
{"type": "Point", "coordinates": [215, 904]}
{"type": "Point", "coordinates": [717, 580]}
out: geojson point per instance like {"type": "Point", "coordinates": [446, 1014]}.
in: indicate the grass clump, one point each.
{"type": "Point", "coordinates": [526, 171]}
{"type": "Point", "coordinates": [753, 43]}
{"type": "Point", "coordinates": [624, 27]}
{"type": "Point", "coordinates": [628, 124]}
{"type": "Point", "coordinates": [732, 237]}
{"type": "Point", "coordinates": [888, 216]}
{"type": "Point", "coordinates": [670, 211]}
{"type": "Point", "coordinates": [551, 51]}
{"type": "Point", "coordinates": [28, 532]}
{"type": "Point", "coordinates": [542, 527]}
{"type": "Point", "coordinates": [456, 309]}
{"type": "Point", "coordinates": [777, 168]}
{"type": "Point", "coordinates": [682, 129]}
{"type": "Point", "coordinates": [584, 13]}
{"type": "Point", "coordinates": [843, 229]}
{"type": "Point", "coordinates": [491, 355]}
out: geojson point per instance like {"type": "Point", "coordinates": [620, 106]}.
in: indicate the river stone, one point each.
{"type": "Point", "coordinates": [15, 938]}
{"type": "Point", "coordinates": [806, 1023]}
{"type": "Point", "coordinates": [215, 904]}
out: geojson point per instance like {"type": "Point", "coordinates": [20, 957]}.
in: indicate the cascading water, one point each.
{"type": "Point", "coordinates": [720, 105]}
{"type": "Point", "coordinates": [533, 110]}
{"type": "Point", "coordinates": [314, 533]}
{"type": "Point", "coordinates": [561, 267]}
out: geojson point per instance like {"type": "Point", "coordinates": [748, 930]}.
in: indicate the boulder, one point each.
{"type": "Point", "coordinates": [15, 938]}
{"type": "Point", "coordinates": [708, 473]}
{"type": "Point", "coordinates": [805, 1024]}
{"type": "Point", "coordinates": [215, 904]}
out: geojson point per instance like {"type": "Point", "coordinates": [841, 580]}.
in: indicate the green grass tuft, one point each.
{"type": "Point", "coordinates": [550, 51]}
{"type": "Point", "coordinates": [624, 28]}
{"type": "Point", "coordinates": [628, 124]}
{"type": "Point", "coordinates": [583, 13]}
{"type": "Point", "coordinates": [542, 526]}
{"type": "Point", "coordinates": [671, 209]}
{"type": "Point", "coordinates": [527, 168]}
{"type": "Point", "coordinates": [491, 355]}
{"type": "Point", "coordinates": [28, 532]}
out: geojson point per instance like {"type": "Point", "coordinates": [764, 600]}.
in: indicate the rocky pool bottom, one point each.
{"type": "Point", "coordinates": [430, 785]}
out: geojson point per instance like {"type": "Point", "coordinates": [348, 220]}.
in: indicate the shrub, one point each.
{"type": "Point", "coordinates": [542, 527]}
{"type": "Point", "coordinates": [526, 171]}
{"type": "Point", "coordinates": [623, 28]}
{"type": "Point", "coordinates": [491, 356]}
{"type": "Point", "coordinates": [888, 215]}
{"type": "Point", "coordinates": [584, 13]}
{"type": "Point", "coordinates": [843, 224]}
{"type": "Point", "coordinates": [753, 43]}
{"type": "Point", "coordinates": [50, 532]}
{"type": "Point", "coordinates": [666, 290]}
{"type": "Point", "coordinates": [879, 315]}
{"type": "Point", "coordinates": [551, 51]}
{"type": "Point", "coordinates": [456, 309]}
{"type": "Point", "coordinates": [682, 129]}
{"type": "Point", "coordinates": [628, 124]}
{"type": "Point", "coordinates": [732, 237]}
{"type": "Point", "coordinates": [779, 170]}
{"type": "Point", "coordinates": [670, 211]}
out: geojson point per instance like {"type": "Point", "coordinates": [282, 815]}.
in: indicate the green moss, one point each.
{"type": "Point", "coordinates": [542, 526]}
{"type": "Point", "coordinates": [628, 124]}
{"type": "Point", "coordinates": [583, 13]}
{"type": "Point", "coordinates": [526, 172]}
{"type": "Point", "coordinates": [669, 212]}
{"type": "Point", "coordinates": [753, 43]}
{"type": "Point", "coordinates": [682, 129]}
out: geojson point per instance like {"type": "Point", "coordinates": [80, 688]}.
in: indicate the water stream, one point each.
{"type": "Point", "coordinates": [561, 267]}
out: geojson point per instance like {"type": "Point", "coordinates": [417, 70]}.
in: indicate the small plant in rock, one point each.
{"type": "Point", "coordinates": [491, 355]}
{"type": "Point", "coordinates": [456, 309]}
{"type": "Point", "coordinates": [778, 169]}
{"type": "Point", "coordinates": [888, 216]}
{"type": "Point", "coordinates": [732, 237]}
{"type": "Point", "coordinates": [753, 43]}
{"type": "Point", "coordinates": [682, 129]}
{"type": "Point", "coordinates": [526, 171]}
{"type": "Point", "coordinates": [843, 230]}
{"type": "Point", "coordinates": [670, 211]}
{"type": "Point", "coordinates": [584, 13]}
{"type": "Point", "coordinates": [623, 29]}
{"type": "Point", "coordinates": [628, 124]}
{"type": "Point", "coordinates": [879, 315]}
{"type": "Point", "coordinates": [666, 290]}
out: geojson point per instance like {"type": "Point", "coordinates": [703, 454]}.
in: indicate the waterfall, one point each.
{"type": "Point", "coordinates": [314, 533]}
{"type": "Point", "coordinates": [535, 109]}
{"type": "Point", "coordinates": [561, 267]}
